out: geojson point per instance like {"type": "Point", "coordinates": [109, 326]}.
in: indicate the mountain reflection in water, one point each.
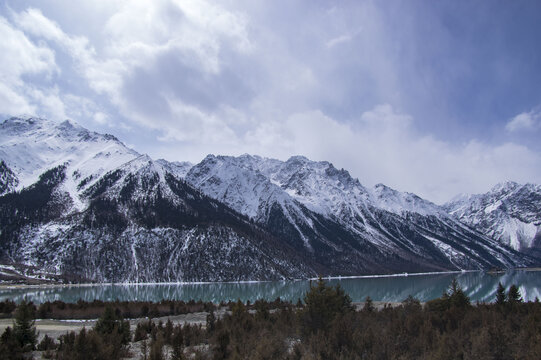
{"type": "Point", "coordinates": [479, 286]}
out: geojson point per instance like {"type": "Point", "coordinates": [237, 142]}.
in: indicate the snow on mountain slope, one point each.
{"type": "Point", "coordinates": [398, 202]}
{"type": "Point", "coordinates": [318, 185]}
{"type": "Point", "coordinates": [232, 181]}
{"type": "Point", "coordinates": [177, 168]}
{"type": "Point", "coordinates": [8, 179]}
{"type": "Point", "coordinates": [395, 223]}
{"type": "Point", "coordinates": [509, 212]}
{"type": "Point", "coordinates": [239, 183]}
{"type": "Point", "coordinates": [375, 213]}
{"type": "Point", "coordinates": [90, 207]}
{"type": "Point", "coordinates": [329, 191]}
{"type": "Point", "coordinates": [30, 146]}
{"type": "Point", "coordinates": [87, 205]}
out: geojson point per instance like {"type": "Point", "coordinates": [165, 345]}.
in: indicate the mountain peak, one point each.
{"type": "Point", "coordinates": [68, 124]}
{"type": "Point", "coordinates": [382, 187]}
{"type": "Point", "coordinates": [298, 158]}
{"type": "Point", "coordinates": [209, 157]}
{"type": "Point", "coordinates": [401, 202]}
{"type": "Point", "coordinates": [509, 212]}
{"type": "Point", "coordinates": [250, 157]}
{"type": "Point", "coordinates": [505, 186]}
{"type": "Point", "coordinates": [21, 124]}
{"type": "Point", "coordinates": [29, 119]}
{"type": "Point", "coordinates": [32, 145]}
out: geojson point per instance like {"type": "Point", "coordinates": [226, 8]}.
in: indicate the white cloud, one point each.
{"type": "Point", "coordinates": [192, 124]}
{"type": "Point", "coordinates": [342, 39]}
{"type": "Point", "coordinates": [103, 75]}
{"type": "Point", "coordinates": [524, 121]}
{"type": "Point", "coordinates": [13, 102]}
{"type": "Point", "coordinates": [33, 22]}
{"type": "Point", "coordinates": [80, 107]}
{"type": "Point", "coordinates": [196, 30]}
{"type": "Point", "coordinates": [100, 118]}
{"type": "Point", "coordinates": [383, 147]}
{"type": "Point", "coordinates": [50, 102]}
{"type": "Point", "coordinates": [140, 32]}
{"type": "Point", "coordinates": [20, 57]}
{"type": "Point", "coordinates": [338, 40]}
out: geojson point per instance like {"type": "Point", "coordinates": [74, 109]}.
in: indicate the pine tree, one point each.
{"type": "Point", "coordinates": [368, 305]}
{"type": "Point", "coordinates": [178, 344]}
{"type": "Point", "coordinates": [156, 348]}
{"type": "Point", "coordinates": [211, 321]}
{"type": "Point", "coordinates": [323, 303]}
{"type": "Point", "coordinates": [107, 322]}
{"type": "Point", "coordinates": [457, 298]}
{"type": "Point", "coordinates": [23, 327]}
{"type": "Point", "coordinates": [46, 343]}
{"type": "Point", "coordinates": [112, 324]}
{"type": "Point", "coordinates": [500, 295]}
{"type": "Point", "coordinates": [513, 296]}
{"type": "Point", "coordinates": [9, 346]}
{"type": "Point", "coordinates": [168, 332]}
{"type": "Point", "coordinates": [221, 347]}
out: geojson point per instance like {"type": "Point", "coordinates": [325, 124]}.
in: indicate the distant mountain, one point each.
{"type": "Point", "coordinates": [81, 203]}
{"type": "Point", "coordinates": [399, 230]}
{"type": "Point", "coordinates": [509, 213]}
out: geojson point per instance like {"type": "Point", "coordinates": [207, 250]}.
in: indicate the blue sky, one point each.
{"type": "Point", "coordinates": [431, 97]}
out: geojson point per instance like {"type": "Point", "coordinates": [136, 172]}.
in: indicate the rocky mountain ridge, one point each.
{"type": "Point", "coordinates": [76, 201]}
{"type": "Point", "coordinates": [509, 212]}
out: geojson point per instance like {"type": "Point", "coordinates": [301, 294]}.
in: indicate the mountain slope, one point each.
{"type": "Point", "coordinates": [509, 213]}
{"type": "Point", "coordinates": [106, 213]}
{"type": "Point", "coordinates": [396, 229]}
{"type": "Point", "coordinates": [252, 194]}
{"type": "Point", "coordinates": [8, 179]}
{"type": "Point", "coordinates": [81, 203]}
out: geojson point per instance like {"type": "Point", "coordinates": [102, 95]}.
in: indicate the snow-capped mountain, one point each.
{"type": "Point", "coordinates": [239, 183]}
{"type": "Point", "coordinates": [104, 212]}
{"type": "Point", "coordinates": [31, 146]}
{"type": "Point", "coordinates": [81, 203]}
{"type": "Point", "coordinates": [381, 221]}
{"type": "Point", "coordinates": [509, 213]}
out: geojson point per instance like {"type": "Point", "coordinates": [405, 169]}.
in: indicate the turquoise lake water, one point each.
{"type": "Point", "coordinates": [479, 286]}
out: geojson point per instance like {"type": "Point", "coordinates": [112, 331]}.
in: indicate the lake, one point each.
{"type": "Point", "coordinates": [479, 286]}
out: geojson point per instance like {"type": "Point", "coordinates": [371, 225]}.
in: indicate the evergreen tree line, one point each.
{"type": "Point", "coordinates": [325, 325]}
{"type": "Point", "coordinates": [128, 309]}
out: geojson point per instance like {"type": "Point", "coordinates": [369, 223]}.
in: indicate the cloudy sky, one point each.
{"type": "Point", "coordinates": [431, 97]}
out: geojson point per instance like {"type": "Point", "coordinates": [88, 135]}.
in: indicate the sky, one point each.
{"type": "Point", "coordinates": [431, 97]}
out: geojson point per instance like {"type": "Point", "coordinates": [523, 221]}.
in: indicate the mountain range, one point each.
{"type": "Point", "coordinates": [77, 202]}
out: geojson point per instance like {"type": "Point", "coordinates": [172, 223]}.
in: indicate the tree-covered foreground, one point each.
{"type": "Point", "coordinates": [324, 326]}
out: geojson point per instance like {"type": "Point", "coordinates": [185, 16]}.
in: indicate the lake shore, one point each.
{"type": "Point", "coordinates": [480, 286]}
{"type": "Point", "coordinates": [5, 285]}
